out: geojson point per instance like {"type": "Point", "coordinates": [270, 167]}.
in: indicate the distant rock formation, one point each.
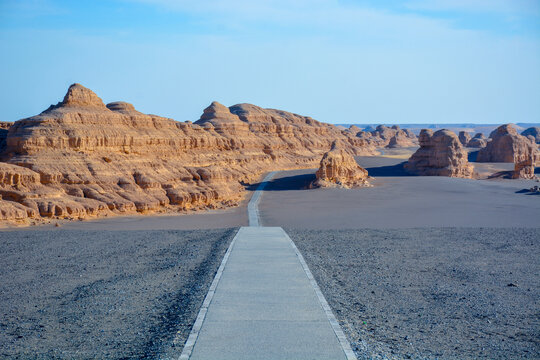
{"type": "Point", "coordinates": [394, 136]}
{"type": "Point", "coordinates": [440, 154]}
{"type": "Point", "coordinates": [82, 159]}
{"type": "Point", "coordinates": [339, 169]}
{"type": "Point", "coordinates": [534, 132]}
{"type": "Point", "coordinates": [464, 138]}
{"type": "Point", "coordinates": [478, 141]}
{"type": "Point", "coordinates": [505, 145]}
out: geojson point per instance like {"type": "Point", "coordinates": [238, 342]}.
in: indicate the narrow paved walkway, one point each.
{"type": "Point", "coordinates": [253, 205]}
{"type": "Point", "coordinates": [264, 303]}
{"type": "Point", "coordinates": [265, 306]}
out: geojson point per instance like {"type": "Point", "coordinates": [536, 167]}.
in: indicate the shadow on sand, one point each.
{"type": "Point", "coordinates": [296, 182]}
{"type": "Point", "coordinates": [394, 170]}
{"type": "Point", "coordinates": [472, 156]}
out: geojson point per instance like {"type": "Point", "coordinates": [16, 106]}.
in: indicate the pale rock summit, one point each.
{"type": "Point", "coordinates": [339, 169]}
{"type": "Point", "coordinates": [440, 154]}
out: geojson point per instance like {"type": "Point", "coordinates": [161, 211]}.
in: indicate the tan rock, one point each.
{"type": "Point", "coordinates": [440, 154]}
{"type": "Point", "coordinates": [82, 159]}
{"type": "Point", "coordinates": [339, 169]}
{"type": "Point", "coordinates": [504, 146]}
{"type": "Point", "coordinates": [478, 141]}
{"type": "Point", "coordinates": [525, 161]}
{"type": "Point", "coordinates": [394, 136]}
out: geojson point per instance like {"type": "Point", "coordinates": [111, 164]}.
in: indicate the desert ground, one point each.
{"type": "Point", "coordinates": [413, 267]}
{"type": "Point", "coordinates": [78, 294]}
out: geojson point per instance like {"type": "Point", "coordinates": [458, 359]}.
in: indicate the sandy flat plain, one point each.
{"type": "Point", "coordinates": [398, 201]}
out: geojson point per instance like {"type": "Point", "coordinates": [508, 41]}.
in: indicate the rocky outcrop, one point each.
{"type": "Point", "coordinates": [339, 169]}
{"type": "Point", "coordinates": [534, 132]}
{"type": "Point", "coordinates": [478, 141]}
{"type": "Point", "coordinates": [505, 145]}
{"type": "Point", "coordinates": [440, 154]}
{"type": "Point", "coordinates": [525, 161]}
{"type": "Point", "coordinates": [394, 137]}
{"type": "Point", "coordinates": [81, 158]}
{"type": "Point", "coordinates": [464, 138]}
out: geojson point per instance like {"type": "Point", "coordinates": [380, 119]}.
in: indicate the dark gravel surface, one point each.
{"type": "Point", "coordinates": [103, 294]}
{"type": "Point", "coordinates": [439, 293]}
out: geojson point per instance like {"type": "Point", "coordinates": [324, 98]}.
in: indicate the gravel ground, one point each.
{"type": "Point", "coordinates": [437, 293]}
{"type": "Point", "coordinates": [103, 294]}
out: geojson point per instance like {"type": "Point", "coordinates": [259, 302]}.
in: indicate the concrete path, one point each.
{"type": "Point", "coordinates": [265, 304]}
{"type": "Point", "coordinates": [253, 205]}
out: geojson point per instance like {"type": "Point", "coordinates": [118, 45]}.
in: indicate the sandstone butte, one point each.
{"type": "Point", "coordinates": [440, 154]}
{"type": "Point", "coordinates": [464, 138]}
{"type": "Point", "coordinates": [82, 158]}
{"type": "Point", "coordinates": [339, 169]}
{"type": "Point", "coordinates": [506, 145]}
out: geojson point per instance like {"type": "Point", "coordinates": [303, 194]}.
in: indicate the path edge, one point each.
{"type": "Point", "coordinates": [253, 204]}
{"type": "Point", "coordinates": [343, 341]}
{"type": "Point", "coordinates": [194, 334]}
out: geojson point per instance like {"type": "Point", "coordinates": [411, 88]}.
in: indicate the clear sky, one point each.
{"type": "Point", "coordinates": [350, 61]}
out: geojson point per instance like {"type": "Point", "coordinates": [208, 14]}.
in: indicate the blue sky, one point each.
{"type": "Point", "coordinates": [350, 61]}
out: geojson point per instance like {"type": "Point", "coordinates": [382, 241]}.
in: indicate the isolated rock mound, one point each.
{"type": "Point", "coordinates": [504, 146]}
{"type": "Point", "coordinates": [339, 169]}
{"type": "Point", "coordinates": [534, 132]}
{"type": "Point", "coordinates": [440, 154]}
{"type": "Point", "coordinates": [82, 159]}
{"type": "Point", "coordinates": [478, 141]}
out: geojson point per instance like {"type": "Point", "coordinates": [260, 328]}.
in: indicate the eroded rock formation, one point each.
{"type": "Point", "coordinates": [525, 161]}
{"type": "Point", "coordinates": [339, 169]}
{"type": "Point", "coordinates": [505, 145]}
{"type": "Point", "coordinates": [478, 141]}
{"type": "Point", "coordinates": [534, 132]}
{"type": "Point", "coordinates": [81, 158]}
{"type": "Point", "coordinates": [394, 137]}
{"type": "Point", "coordinates": [440, 154]}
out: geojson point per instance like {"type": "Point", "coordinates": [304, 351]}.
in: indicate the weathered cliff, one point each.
{"type": "Point", "coordinates": [81, 158]}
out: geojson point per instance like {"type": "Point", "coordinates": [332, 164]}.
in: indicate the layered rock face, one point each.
{"type": "Point", "coordinates": [478, 141]}
{"type": "Point", "coordinates": [81, 158]}
{"type": "Point", "coordinates": [440, 154]}
{"type": "Point", "coordinates": [525, 162]}
{"type": "Point", "coordinates": [394, 137]}
{"type": "Point", "coordinates": [534, 132]}
{"type": "Point", "coordinates": [464, 138]}
{"type": "Point", "coordinates": [339, 169]}
{"type": "Point", "coordinates": [505, 145]}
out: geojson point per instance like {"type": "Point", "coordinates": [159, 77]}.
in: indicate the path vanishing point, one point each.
{"type": "Point", "coordinates": [264, 302]}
